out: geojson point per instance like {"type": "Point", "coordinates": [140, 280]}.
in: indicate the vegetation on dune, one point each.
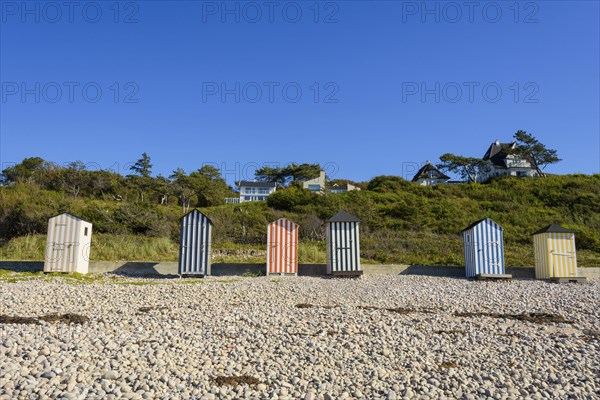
{"type": "Point", "coordinates": [403, 223]}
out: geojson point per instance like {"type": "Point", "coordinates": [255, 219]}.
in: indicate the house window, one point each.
{"type": "Point", "coordinates": [314, 188]}
{"type": "Point", "coordinates": [85, 231]}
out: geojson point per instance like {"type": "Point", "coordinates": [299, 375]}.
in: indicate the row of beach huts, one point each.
{"type": "Point", "coordinates": [69, 240]}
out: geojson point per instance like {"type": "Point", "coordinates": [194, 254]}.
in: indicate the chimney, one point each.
{"type": "Point", "coordinates": [497, 142]}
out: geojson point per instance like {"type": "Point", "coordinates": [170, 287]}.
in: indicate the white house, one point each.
{"type": "Point", "coordinates": [256, 191]}
{"type": "Point", "coordinates": [499, 160]}
{"type": "Point", "coordinates": [429, 175]}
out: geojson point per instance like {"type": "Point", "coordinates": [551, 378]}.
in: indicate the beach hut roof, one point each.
{"type": "Point", "coordinates": [480, 221]}
{"type": "Point", "coordinates": [553, 228]}
{"type": "Point", "coordinates": [198, 211]}
{"type": "Point", "coordinates": [343, 216]}
{"type": "Point", "coordinates": [70, 215]}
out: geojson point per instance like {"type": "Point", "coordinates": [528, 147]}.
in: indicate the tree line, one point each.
{"type": "Point", "coordinates": [206, 187]}
{"type": "Point", "coordinates": [201, 188]}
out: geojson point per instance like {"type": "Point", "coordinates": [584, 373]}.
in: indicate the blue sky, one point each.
{"type": "Point", "coordinates": [367, 88]}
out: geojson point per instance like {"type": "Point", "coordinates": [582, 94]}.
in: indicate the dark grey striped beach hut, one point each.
{"type": "Point", "coordinates": [343, 245]}
{"type": "Point", "coordinates": [195, 244]}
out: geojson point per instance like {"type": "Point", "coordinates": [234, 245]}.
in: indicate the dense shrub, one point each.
{"type": "Point", "coordinates": [401, 222]}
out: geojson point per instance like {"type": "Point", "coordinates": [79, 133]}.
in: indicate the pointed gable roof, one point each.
{"type": "Point", "coordinates": [68, 215]}
{"type": "Point", "coordinates": [497, 152]}
{"type": "Point", "coordinates": [424, 172]}
{"type": "Point", "coordinates": [284, 219]}
{"type": "Point", "coordinates": [195, 210]}
{"type": "Point", "coordinates": [343, 216]}
{"type": "Point", "coordinates": [553, 228]}
{"type": "Point", "coordinates": [479, 222]}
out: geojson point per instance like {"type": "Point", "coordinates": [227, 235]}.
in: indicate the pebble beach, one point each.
{"type": "Point", "coordinates": [376, 337]}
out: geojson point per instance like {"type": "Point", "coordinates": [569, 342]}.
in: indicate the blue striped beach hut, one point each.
{"type": "Point", "coordinates": [195, 244]}
{"type": "Point", "coordinates": [484, 249]}
{"type": "Point", "coordinates": [343, 245]}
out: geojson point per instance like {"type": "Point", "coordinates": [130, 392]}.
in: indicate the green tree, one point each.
{"type": "Point", "coordinates": [142, 181]}
{"type": "Point", "coordinates": [182, 188]}
{"type": "Point", "coordinates": [466, 167]}
{"type": "Point", "coordinates": [74, 178]}
{"type": "Point", "coordinates": [288, 174]}
{"type": "Point", "coordinates": [142, 167]}
{"type": "Point", "coordinates": [208, 185]}
{"type": "Point", "coordinates": [162, 186]}
{"type": "Point", "coordinates": [302, 172]}
{"type": "Point", "coordinates": [535, 152]}
{"type": "Point", "coordinates": [271, 174]}
{"type": "Point", "coordinates": [27, 171]}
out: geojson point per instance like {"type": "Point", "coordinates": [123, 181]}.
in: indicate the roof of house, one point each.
{"type": "Point", "coordinates": [497, 153]}
{"type": "Point", "coordinates": [424, 172]}
{"type": "Point", "coordinates": [553, 228]}
{"type": "Point", "coordinates": [258, 184]}
{"type": "Point", "coordinates": [339, 187]}
{"type": "Point", "coordinates": [343, 216]}
{"type": "Point", "coordinates": [480, 221]}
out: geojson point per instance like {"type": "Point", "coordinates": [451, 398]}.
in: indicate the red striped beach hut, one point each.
{"type": "Point", "coordinates": [282, 247]}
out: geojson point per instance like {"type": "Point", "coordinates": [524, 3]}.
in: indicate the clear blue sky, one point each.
{"type": "Point", "coordinates": [370, 60]}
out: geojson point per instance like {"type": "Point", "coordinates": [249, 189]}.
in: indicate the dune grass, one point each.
{"type": "Point", "coordinates": [408, 248]}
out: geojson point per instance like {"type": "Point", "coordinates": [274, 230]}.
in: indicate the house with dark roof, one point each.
{"type": "Point", "coordinates": [500, 160]}
{"type": "Point", "coordinates": [429, 175]}
{"type": "Point", "coordinates": [253, 191]}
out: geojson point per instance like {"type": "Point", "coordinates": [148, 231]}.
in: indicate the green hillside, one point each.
{"type": "Point", "coordinates": [403, 223]}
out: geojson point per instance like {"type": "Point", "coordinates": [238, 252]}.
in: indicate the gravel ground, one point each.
{"type": "Point", "coordinates": [377, 337]}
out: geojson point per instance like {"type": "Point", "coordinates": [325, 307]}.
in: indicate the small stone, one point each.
{"type": "Point", "coordinates": [309, 395]}
{"type": "Point", "coordinates": [261, 387]}
{"type": "Point", "coordinates": [111, 375]}
{"type": "Point", "coordinates": [48, 374]}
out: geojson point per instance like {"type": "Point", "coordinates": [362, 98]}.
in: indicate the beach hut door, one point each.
{"type": "Point", "coordinates": [492, 256]}
{"type": "Point", "coordinates": [56, 255]}
{"type": "Point", "coordinates": [343, 256]}
{"type": "Point", "coordinates": [560, 258]}
{"type": "Point", "coordinates": [71, 253]}
{"type": "Point", "coordinates": [59, 252]}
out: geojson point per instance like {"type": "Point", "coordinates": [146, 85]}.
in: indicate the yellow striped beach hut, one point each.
{"type": "Point", "coordinates": [555, 255]}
